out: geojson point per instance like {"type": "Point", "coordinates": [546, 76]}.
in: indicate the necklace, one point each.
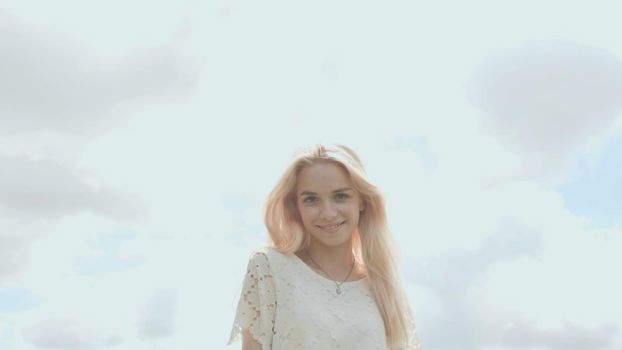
{"type": "Point", "coordinates": [338, 290]}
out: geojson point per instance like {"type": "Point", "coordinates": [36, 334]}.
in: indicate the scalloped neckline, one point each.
{"type": "Point", "coordinates": [313, 272]}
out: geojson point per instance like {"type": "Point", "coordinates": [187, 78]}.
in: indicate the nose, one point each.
{"type": "Point", "coordinates": [328, 211]}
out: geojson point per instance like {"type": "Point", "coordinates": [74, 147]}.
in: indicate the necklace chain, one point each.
{"type": "Point", "coordinates": [338, 290]}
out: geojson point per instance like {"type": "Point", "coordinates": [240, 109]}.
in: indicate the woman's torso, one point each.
{"type": "Point", "coordinates": [310, 314]}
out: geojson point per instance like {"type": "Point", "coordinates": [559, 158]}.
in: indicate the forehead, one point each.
{"type": "Point", "coordinates": [322, 177]}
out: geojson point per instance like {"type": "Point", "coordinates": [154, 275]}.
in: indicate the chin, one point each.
{"type": "Point", "coordinates": [336, 240]}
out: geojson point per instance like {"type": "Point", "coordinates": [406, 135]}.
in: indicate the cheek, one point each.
{"type": "Point", "coordinates": [353, 210]}
{"type": "Point", "coordinates": [356, 214]}
{"type": "Point", "coordinates": [306, 214]}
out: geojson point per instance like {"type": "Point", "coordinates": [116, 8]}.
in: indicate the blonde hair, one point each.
{"type": "Point", "coordinates": [372, 245]}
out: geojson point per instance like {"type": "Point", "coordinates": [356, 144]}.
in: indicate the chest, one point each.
{"type": "Point", "coordinates": [311, 314]}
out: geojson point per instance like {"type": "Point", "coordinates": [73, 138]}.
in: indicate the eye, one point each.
{"type": "Point", "coordinates": [309, 199]}
{"type": "Point", "coordinates": [342, 196]}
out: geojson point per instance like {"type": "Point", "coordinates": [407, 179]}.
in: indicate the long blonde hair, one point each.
{"type": "Point", "coordinates": [372, 245]}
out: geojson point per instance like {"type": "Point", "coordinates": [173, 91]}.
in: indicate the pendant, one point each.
{"type": "Point", "coordinates": [338, 290]}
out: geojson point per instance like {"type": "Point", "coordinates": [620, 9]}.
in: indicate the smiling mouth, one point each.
{"type": "Point", "coordinates": [332, 227]}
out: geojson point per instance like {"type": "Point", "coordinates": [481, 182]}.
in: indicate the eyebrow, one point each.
{"type": "Point", "coordinates": [306, 193]}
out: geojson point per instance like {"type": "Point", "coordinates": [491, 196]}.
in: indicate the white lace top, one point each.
{"type": "Point", "coordinates": [288, 306]}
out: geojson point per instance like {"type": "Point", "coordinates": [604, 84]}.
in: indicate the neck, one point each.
{"type": "Point", "coordinates": [336, 260]}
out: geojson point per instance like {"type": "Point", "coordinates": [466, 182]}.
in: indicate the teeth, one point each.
{"type": "Point", "coordinates": [332, 227]}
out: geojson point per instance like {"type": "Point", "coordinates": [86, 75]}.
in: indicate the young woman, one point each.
{"type": "Point", "coordinates": [329, 278]}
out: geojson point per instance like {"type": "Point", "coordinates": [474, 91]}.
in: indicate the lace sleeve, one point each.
{"type": "Point", "coordinates": [257, 304]}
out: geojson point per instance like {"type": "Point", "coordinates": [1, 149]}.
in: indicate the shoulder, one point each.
{"type": "Point", "coordinates": [266, 255]}
{"type": "Point", "coordinates": [258, 259]}
{"type": "Point", "coordinates": [269, 258]}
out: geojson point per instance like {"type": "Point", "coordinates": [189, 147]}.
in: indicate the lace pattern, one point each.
{"type": "Point", "coordinates": [310, 314]}
{"type": "Point", "coordinates": [257, 304]}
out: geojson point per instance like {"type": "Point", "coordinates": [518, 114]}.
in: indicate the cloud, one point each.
{"type": "Point", "coordinates": [452, 277]}
{"type": "Point", "coordinates": [36, 194]}
{"type": "Point", "coordinates": [69, 333]}
{"type": "Point", "coordinates": [526, 334]}
{"type": "Point", "coordinates": [158, 317]}
{"type": "Point", "coordinates": [49, 83]}
{"type": "Point", "coordinates": [16, 236]}
{"type": "Point", "coordinates": [545, 101]}
{"type": "Point", "coordinates": [104, 257]}
{"type": "Point", "coordinates": [34, 189]}
{"type": "Point", "coordinates": [13, 254]}
{"type": "Point", "coordinates": [460, 281]}
{"type": "Point", "coordinates": [462, 268]}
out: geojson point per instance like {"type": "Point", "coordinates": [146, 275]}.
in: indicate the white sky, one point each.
{"type": "Point", "coordinates": [138, 140]}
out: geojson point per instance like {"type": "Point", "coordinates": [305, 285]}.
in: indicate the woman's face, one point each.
{"type": "Point", "coordinates": [328, 204]}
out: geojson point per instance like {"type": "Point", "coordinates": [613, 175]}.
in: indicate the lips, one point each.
{"type": "Point", "coordinates": [332, 227]}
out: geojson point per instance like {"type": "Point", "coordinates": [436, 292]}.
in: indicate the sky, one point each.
{"type": "Point", "coordinates": [139, 140]}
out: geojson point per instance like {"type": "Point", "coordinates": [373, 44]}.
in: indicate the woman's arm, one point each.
{"type": "Point", "coordinates": [248, 343]}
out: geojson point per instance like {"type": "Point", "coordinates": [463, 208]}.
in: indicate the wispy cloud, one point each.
{"type": "Point", "coordinates": [49, 83]}
{"type": "Point", "coordinates": [459, 280]}
{"type": "Point", "coordinates": [43, 189]}
{"type": "Point", "coordinates": [546, 100]}
{"type": "Point", "coordinates": [16, 236]}
{"type": "Point", "coordinates": [69, 333]}
{"type": "Point", "coordinates": [158, 315]}
{"type": "Point", "coordinates": [13, 254]}
{"type": "Point", "coordinates": [521, 334]}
